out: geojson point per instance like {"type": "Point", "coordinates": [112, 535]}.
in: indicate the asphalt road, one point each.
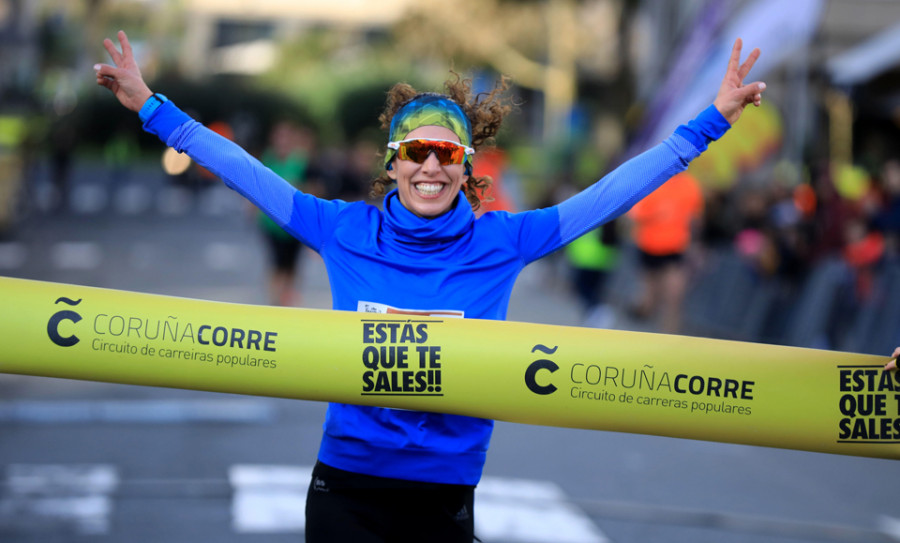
{"type": "Point", "coordinates": [83, 461]}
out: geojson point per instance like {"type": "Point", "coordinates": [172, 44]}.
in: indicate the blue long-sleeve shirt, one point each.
{"type": "Point", "coordinates": [451, 262]}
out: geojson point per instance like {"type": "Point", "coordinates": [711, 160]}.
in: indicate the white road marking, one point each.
{"type": "Point", "coordinates": [269, 498]}
{"type": "Point", "coordinates": [76, 255]}
{"type": "Point", "coordinates": [222, 256]}
{"type": "Point", "coordinates": [88, 198]}
{"type": "Point", "coordinates": [272, 499]}
{"type": "Point", "coordinates": [174, 201]}
{"type": "Point", "coordinates": [219, 200]}
{"type": "Point", "coordinates": [12, 255]}
{"type": "Point", "coordinates": [136, 411]}
{"type": "Point", "coordinates": [530, 511]}
{"type": "Point", "coordinates": [890, 527]}
{"type": "Point", "coordinates": [143, 255]}
{"type": "Point", "coordinates": [133, 199]}
{"type": "Point", "coordinates": [73, 498]}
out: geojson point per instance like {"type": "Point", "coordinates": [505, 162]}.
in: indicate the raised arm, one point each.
{"type": "Point", "coordinates": [238, 169]}
{"type": "Point", "coordinates": [124, 79]}
{"type": "Point", "coordinates": [618, 191]}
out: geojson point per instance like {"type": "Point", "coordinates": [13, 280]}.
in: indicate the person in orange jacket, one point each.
{"type": "Point", "coordinates": [663, 224]}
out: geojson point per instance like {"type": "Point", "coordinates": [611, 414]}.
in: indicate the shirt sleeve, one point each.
{"type": "Point", "coordinates": [622, 188]}
{"type": "Point", "coordinates": [302, 215]}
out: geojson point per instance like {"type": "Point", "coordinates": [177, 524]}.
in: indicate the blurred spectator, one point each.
{"type": "Point", "coordinates": [492, 163]}
{"type": "Point", "coordinates": [832, 213]}
{"type": "Point", "coordinates": [887, 218]}
{"type": "Point", "coordinates": [357, 171]}
{"type": "Point", "coordinates": [754, 242]}
{"type": "Point", "coordinates": [62, 143]}
{"type": "Point", "coordinates": [863, 252]}
{"type": "Point", "coordinates": [287, 155]}
{"type": "Point", "coordinates": [592, 259]}
{"type": "Point", "coordinates": [119, 154]}
{"type": "Point", "coordinates": [664, 224]}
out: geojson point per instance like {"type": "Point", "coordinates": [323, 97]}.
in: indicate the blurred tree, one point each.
{"type": "Point", "coordinates": [341, 76]}
{"type": "Point", "coordinates": [541, 44]}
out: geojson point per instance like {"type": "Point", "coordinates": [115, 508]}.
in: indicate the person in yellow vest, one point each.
{"type": "Point", "coordinates": [592, 258]}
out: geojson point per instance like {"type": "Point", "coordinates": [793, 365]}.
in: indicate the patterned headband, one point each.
{"type": "Point", "coordinates": [430, 109]}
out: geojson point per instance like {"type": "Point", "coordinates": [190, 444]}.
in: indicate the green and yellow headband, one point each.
{"type": "Point", "coordinates": [430, 109]}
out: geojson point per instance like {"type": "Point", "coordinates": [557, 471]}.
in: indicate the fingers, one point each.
{"type": "Point", "coordinates": [748, 64]}
{"type": "Point", "coordinates": [752, 93]}
{"type": "Point", "coordinates": [106, 75]}
{"type": "Point", "coordinates": [120, 58]}
{"type": "Point", "coordinates": [113, 52]}
{"type": "Point", "coordinates": [126, 45]}
{"type": "Point", "coordinates": [105, 70]}
{"type": "Point", "coordinates": [735, 59]}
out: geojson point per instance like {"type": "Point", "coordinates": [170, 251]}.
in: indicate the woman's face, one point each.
{"type": "Point", "coordinates": [428, 189]}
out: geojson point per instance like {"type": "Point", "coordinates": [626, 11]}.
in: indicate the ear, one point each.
{"type": "Point", "coordinates": [391, 171]}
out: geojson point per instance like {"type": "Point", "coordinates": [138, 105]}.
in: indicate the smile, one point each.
{"type": "Point", "coordinates": [429, 189]}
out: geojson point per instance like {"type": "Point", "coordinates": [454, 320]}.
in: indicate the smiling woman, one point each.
{"type": "Point", "coordinates": [403, 475]}
{"type": "Point", "coordinates": [427, 187]}
{"type": "Point", "coordinates": [469, 121]}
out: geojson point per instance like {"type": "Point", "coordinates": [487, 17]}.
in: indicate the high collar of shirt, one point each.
{"type": "Point", "coordinates": [407, 227]}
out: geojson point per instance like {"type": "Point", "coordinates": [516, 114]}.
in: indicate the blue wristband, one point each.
{"type": "Point", "coordinates": [165, 120]}
{"type": "Point", "coordinates": [707, 127]}
{"type": "Point", "coordinates": [151, 105]}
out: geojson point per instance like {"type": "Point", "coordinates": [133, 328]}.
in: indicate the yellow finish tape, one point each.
{"type": "Point", "coordinates": [619, 381]}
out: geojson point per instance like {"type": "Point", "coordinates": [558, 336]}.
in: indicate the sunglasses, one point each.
{"type": "Point", "coordinates": [417, 150]}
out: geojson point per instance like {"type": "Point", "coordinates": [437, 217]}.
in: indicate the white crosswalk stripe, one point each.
{"type": "Point", "coordinates": [268, 499]}
{"type": "Point", "coordinates": [13, 255]}
{"type": "Point", "coordinates": [220, 256]}
{"type": "Point", "coordinates": [51, 497]}
{"type": "Point", "coordinates": [236, 410]}
{"type": "Point", "coordinates": [133, 199]}
{"type": "Point", "coordinates": [76, 255]}
{"type": "Point", "coordinates": [272, 498]}
{"type": "Point", "coordinates": [530, 511]}
{"type": "Point", "coordinates": [88, 199]}
{"type": "Point", "coordinates": [174, 201]}
{"type": "Point", "coordinates": [890, 527]}
{"type": "Point", "coordinates": [88, 255]}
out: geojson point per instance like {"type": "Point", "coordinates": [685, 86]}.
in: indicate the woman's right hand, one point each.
{"type": "Point", "coordinates": [124, 79]}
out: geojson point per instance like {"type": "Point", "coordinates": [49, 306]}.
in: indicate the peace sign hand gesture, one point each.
{"type": "Point", "coordinates": [124, 79]}
{"type": "Point", "coordinates": [733, 95]}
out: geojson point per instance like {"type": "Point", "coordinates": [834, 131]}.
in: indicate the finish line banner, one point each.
{"type": "Point", "coordinates": [656, 384]}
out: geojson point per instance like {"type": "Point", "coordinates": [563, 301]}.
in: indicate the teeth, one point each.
{"type": "Point", "coordinates": [429, 189]}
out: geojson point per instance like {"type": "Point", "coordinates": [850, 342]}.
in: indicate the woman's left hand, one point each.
{"type": "Point", "coordinates": [733, 95]}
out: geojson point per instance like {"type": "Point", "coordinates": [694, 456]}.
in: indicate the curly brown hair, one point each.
{"type": "Point", "coordinates": [485, 111]}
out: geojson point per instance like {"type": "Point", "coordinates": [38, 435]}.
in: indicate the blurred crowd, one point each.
{"type": "Point", "coordinates": [806, 259]}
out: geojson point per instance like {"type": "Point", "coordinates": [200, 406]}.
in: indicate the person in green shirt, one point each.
{"type": "Point", "coordinates": [287, 155]}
